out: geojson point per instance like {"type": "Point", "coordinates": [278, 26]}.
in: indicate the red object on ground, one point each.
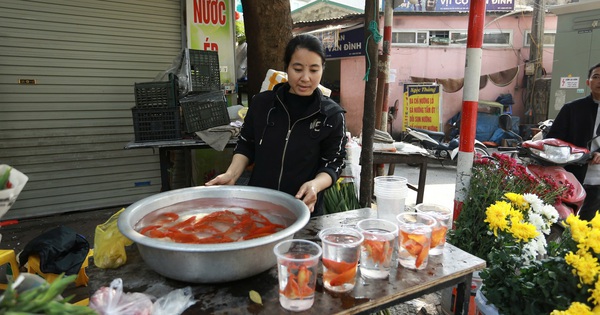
{"type": "Point", "coordinates": [9, 222]}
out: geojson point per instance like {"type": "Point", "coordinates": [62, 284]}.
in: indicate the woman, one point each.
{"type": "Point", "coordinates": [294, 136]}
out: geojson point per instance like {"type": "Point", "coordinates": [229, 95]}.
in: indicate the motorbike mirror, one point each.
{"type": "Point", "coordinates": [505, 122]}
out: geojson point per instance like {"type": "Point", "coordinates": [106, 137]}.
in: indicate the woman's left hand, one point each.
{"type": "Point", "coordinates": [308, 194]}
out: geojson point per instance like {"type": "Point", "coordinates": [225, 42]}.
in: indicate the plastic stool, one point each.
{"type": "Point", "coordinates": [33, 266]}
{"type": "Point", "coordinates": [7, 256]}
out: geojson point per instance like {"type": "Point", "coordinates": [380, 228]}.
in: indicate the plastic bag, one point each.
{"type": "Point", "coordinates": [109, 244]}
{"type": "Point", "coordinates": [174, 303]}
{"type": "Point", "coordinates": [8, 196]}
{"type": "Point", "coordinates": [112, 301]}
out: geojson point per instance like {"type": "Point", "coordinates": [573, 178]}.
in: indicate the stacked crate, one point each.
{"type": "Point", "coordinates": [156, 114]}
{"type": "Point", "coordinates": [205, 105]}
{"type": "Point", "coordinates": [160, 107]}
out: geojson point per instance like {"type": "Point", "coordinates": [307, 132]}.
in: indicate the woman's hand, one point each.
{"type": "Point", "coordinates": [223, 179]}
{"type": "Point", "coordinates": [309, 190]}
{"type": "Point", "coordinates": [308, 194]}
{"type": "Point", "coordinates": [235, 169]}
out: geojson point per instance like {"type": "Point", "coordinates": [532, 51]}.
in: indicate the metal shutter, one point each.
{"type": "Point", "coordinates": [67, 131]}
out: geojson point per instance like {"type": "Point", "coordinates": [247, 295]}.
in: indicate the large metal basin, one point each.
{"type": "Point", "coordinates": [213, 263]}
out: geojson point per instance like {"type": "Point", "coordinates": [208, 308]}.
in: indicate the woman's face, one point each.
{"type": "Point", "coordinates": [304, 72]}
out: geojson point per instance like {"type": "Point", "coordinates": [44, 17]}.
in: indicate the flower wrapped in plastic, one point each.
{"type": "Point", "coordinates": [11, 183]}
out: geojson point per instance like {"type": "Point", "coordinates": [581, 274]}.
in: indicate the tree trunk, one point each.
{"type": "Point", "coordinates": [268, 26]}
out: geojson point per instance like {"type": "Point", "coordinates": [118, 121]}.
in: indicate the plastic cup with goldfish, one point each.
{"type": "Point", "coordinates": [414, 239]}
{"type": "Point", "coordinates": [297, 268]}
{"type": "Point", "coordinates": [377, 248]}
{"type": "Point", "coordinates": [438, 235]}
{"type": "Point", "coordinates": [341, 254]}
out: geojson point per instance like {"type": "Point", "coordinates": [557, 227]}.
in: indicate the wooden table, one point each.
{"type": "Point", "coordinates": [392, 158]}
{"type": "Point", "coordinates": [186, 145]}
{"type": "Point", "coordinates": [453, 267]}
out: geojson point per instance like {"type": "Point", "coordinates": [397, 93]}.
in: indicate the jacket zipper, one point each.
{"type": "Point", "coordinates": [287, 138]}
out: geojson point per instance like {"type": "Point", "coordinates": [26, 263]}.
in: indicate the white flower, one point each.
{"type": "Point", "coordinates": [538, 221]}
{"type": "Point", "coordinates": [550, 213]}
{"type": "Point", "coordinates": [534, 201]}
{"type": "Point", "coordinates": [534, 248]}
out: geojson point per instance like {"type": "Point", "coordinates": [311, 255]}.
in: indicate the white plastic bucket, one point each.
{"type": "Point", "coordinates": [482, 307]}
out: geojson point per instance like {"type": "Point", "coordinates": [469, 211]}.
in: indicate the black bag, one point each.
{"type": "Point", "coordinates": [60, 250]}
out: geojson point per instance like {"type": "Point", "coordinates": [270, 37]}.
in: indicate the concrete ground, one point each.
{"type": "Point", "coordinates": [439, 189]}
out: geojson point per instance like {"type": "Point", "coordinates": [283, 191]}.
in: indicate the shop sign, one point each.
{"type": "Point", "coordinates": [422, 107]}
{"type": "Point", "coordinates": [342, 43]}
{"type": "Point", "coordinates": [210, 26]}
{"type": "Point", "coordinates": [450, 5]}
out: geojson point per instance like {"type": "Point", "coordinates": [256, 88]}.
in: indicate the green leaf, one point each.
{"type": "Point", "coordinates": [255, 297]}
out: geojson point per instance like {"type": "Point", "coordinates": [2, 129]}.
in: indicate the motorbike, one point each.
{"type": "Point", "coordinates": [546, 158]}
{"type": "Point", "coordinates": [433, 142]}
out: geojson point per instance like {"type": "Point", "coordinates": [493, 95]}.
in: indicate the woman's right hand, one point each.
{"type": "Point", "coordinates": [223, 179]}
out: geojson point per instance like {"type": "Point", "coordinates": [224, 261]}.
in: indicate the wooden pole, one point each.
{"type": "Point", "coordinates": [536, 52]}
{"type": "Point", "coordinates": [368, 129]}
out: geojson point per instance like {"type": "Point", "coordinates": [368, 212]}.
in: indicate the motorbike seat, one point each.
{"type": "Point", "coordinates": [435, 135]}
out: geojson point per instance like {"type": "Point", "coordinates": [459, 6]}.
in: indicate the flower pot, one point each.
{"type": "Point", "coordinates": [482, 305]}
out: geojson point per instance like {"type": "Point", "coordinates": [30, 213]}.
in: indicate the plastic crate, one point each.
{"type": "Point", "coordinates": [156, 124]}
{"type": "Point", "coordinates": [204, 111]}
{"type": "Point", "coordinates": [162, 94]}
{"type": "Point", "coordinates": [204, 72]}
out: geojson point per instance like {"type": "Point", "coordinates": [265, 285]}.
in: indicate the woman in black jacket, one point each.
{"type": "Point", "coordinates": [293, 135]}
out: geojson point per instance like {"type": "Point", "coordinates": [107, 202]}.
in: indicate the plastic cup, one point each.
{"type": "Point", "coordinates": [377, 247]}
{"type": "Point", "coordinates": [297, 268]}
{"type": "Point", "coordinates": [443, 215]}
{"type": "Point", "coordinates": [415, 239]}
{"type": "Point", "coordinates": [390, 194]}
{"type": "Point", "coordinates": [341, 253]}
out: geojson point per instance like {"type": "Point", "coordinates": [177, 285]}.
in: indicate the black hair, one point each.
{"type": "Point", "coordinates": [310, 42]}
{"type": "Point", "coordinates": [592, 69]}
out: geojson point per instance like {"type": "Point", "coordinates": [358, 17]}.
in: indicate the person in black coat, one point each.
{"type": "Point", "coordinates": [293, 135]}
{"type": "Point", "coordinates": [578, 123]}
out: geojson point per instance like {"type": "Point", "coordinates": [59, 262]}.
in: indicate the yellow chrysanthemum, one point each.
{"type": "Point", "coordinates": [576, 308]}
{"type": "Point", "coordinates": [579, 228]}
{"type": "Point", "coordinates": [516, 214]}
{"type": "Point", "coordinates": [585, 266]}
{"type": "Point", "coordinates": [517, 200]}
{"type": "Point", "coordinates": [595, 294]}
{"type": "Point", "coordinates": [496, 216]}
{"type": "Point", "coordinates": [595, 223]}
{"type": "Point", "coordinates": [523, 231]}
{"type": "Point", "coordinates": [593, 240]}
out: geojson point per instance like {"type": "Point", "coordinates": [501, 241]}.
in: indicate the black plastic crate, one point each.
{"type": "Point", "coordinates": [204, 111]}
{"type": "Point", "coordinates": [205, 75]}
{"type": "Point", "coordinates": [155, 124]}
{"type": "Point", "coordinates": [161, 94]}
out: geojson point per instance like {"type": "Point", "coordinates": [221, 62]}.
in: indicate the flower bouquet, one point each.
{"type": "Point", "coordinates": [11, 183]}
{"type": "Point", "coordinates": [527, 276]}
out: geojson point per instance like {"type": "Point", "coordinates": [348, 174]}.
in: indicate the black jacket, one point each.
{"type": "Point", "coordinates": [575, 123]}
{"type": "Point", "coordinates": [285, 156]}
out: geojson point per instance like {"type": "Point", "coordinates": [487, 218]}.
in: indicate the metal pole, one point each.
{"type": "Point", "coordinates": [468, 122]}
